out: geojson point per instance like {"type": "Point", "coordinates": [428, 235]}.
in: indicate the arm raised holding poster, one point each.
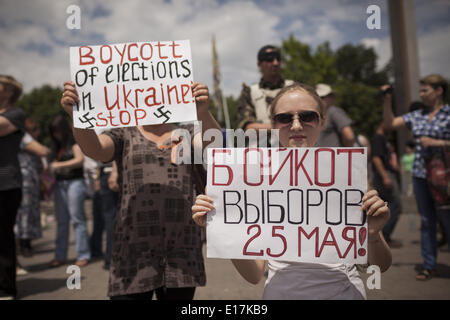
{"type": "Point", "coordinates": [308, 272]}
{"type": "Point", "coordinates": [156, 194]}
{"type": "Point", "coordinates": [102, 147]}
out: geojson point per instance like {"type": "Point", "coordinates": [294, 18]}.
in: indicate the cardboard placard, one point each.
{"type": "Point", "coordinates": [290, 204]}
{"type": "Point", "coordinates": [131, 84]}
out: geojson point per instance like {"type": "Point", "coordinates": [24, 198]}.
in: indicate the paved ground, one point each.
{"type": "Point", "coordinates": [223, 282]}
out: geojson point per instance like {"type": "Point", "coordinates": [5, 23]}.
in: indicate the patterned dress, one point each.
{"type": "Point", "coordinates": [28, 221]}
{"type": "Point", "coordinates": [155, 242]}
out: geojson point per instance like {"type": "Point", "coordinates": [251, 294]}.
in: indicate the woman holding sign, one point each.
{"type": "Point", "coordinates": [156, 245]}
{"type": "Point", "coordinates": [298, 112]}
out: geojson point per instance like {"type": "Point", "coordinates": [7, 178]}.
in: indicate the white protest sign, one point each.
{"type": "Point", "coordinates": [290, 204]}
{"type": "Point", "coordinates": [132, 84]}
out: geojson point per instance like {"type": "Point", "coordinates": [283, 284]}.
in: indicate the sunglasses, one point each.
{"type": "Point", "coordinates": [310, 118]}
{"type": "Point", "coordinates": [270, 56]}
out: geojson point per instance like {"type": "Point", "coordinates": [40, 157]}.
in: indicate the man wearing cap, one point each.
{"type": "Point", "coordinates": [254, 101]}
{"type": "Point", "coordinates": [12, 129]}
{"type": "Point", "coordinates": [337, 131]}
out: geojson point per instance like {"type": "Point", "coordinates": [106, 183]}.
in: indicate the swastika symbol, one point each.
{"type": "Point", "coordinates": [85, 119]}
{"type": "Point", "coordinates": [163, 114]}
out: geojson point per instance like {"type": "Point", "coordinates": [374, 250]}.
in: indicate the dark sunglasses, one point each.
{"type": "Point", "coordinates": [307, 117]}
{"type": "Point", "coordinates": [270, 56]}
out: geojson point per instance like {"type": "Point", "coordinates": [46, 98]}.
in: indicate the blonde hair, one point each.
{"type": "Point", "coordinates": [10, 83]}
{"type": "Point", "coordinates": [296, 86]}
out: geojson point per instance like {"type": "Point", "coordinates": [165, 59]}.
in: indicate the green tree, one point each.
{"type": "Point", "coordinates": [351, 71]}
{"type": "Point", "coordinates": [41, 104]}
{"type": "Point", "coordinates": [303, 65]}
{"type": "Point", "coordinates": [361, 104]}
{"type": "Point", "coordinates": [358, 64]}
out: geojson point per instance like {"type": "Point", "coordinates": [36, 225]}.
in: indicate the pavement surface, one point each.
{"type": "Point", "coordinates": [223, 281]}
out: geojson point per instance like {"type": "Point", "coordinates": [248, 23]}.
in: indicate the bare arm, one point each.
{"type": "Point", "coordinates": [430, 142]}
{"type": "Point", "coordinates": [6, 127]}
{"type": "Point", "coordinates": [348, 136]}
{"type": "Point", "coordinates": [112, 180]}
{"type": "Point", "coordinates": [250, 270]}
{"type": "Point", "coordinates": [38, 149]}
{"type": "Point", "coordinates": [389, 121]}
{"type": "Point", "coordinates": [75, 162]}
{"type": "Point", "coordinates": [379, 252]}
{"type": "Point", "coordinates": [377, 216]}
{"type": "Point", "coordinates": [201, 94]}
{"type": "Point", "coordinates": [96, 147]}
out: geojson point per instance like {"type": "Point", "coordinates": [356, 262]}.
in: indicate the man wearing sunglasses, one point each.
{"type": "Point", "coordinates": [337, 131]}
{"type": "Point", "coordinates": [254, 101]}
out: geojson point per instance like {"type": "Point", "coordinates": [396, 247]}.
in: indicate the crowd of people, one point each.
{"type": "Point", "coordinates": [146, 204]}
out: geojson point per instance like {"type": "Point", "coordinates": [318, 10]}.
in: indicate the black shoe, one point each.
{"type": "Point", "coordinates": [106, 266]}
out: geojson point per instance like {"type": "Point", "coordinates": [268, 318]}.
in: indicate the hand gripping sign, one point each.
{"type": "Point", "coordinates": [290, 204]}
{"type": "Point", "coordinates": [133, 84]}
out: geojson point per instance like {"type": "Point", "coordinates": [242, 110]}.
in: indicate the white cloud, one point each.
{"type": "Point", "coordinates": [240, 27]}
{"type": "Point", "coordinates": [235, 25]}
{"type": "Point", "coordinates": [434, 49]}
{"type": "Point", "coordinates": [382, 47]}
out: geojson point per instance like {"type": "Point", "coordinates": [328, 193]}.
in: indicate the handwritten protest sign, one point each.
{"type": "Point", "coordinates": [132, 84]}
{"type": "Point", "coordinates": [288, 204]}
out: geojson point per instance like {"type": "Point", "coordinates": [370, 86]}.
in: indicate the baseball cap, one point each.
{"type": "Point", "coordinates": [323, 90]}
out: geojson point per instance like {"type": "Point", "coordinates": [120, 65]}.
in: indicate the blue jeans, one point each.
{"type": "Point", "coordinates": [104, 207]}
{"type": "Point", "coordinates": [428, 219]}
{"type": "Point", "coordinates": [69, 206]}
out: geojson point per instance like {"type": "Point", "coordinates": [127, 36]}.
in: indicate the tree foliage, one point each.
{"type": "Point", "coordinates": [41, 104]}
{"type": "Point", "coordinates": [351, 71]}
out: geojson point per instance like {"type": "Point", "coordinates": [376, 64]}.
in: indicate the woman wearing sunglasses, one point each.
{"type": "Point", "coordinates": [297, 112]}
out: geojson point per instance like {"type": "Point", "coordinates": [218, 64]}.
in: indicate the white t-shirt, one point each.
{"type": "Point", "coordinates": [313, 281]}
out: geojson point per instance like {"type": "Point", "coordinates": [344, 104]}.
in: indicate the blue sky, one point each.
{"type": "Point", "coordinates": [34, 39]}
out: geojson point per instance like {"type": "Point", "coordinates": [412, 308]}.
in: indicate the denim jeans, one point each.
{"type": "Point", "coordinates": [104, 207]}
{"type": "Point", "coordinates": [69, 206]}
{"type": "Point", "coordinates": [428, 217]}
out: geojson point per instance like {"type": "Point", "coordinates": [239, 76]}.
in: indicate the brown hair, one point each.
{"type": "Point", "coordinates": [12, 84]}
{"type": "Point", "coordinates": [436, 81]}
{"type": "Point", "coordinates": [31, 125]}
{"type": "Point", "coordinates": [300, 87]}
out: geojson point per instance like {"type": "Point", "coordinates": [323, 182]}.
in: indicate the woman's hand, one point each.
{"type": "Point", "coordinates": [112, 182]}
{"type": "Point", "coordinates": [54, 167]}
{"type": "Point", "coordinates": [69, 97]}
{"type": "Point", "coordinates": [377, 213]}
{"type": "Point", "coordinates": [201, 94]}
{"type": "Point", "coordinates": [428, 142]}
{"type": "Point", "coordinates": [203, 204]}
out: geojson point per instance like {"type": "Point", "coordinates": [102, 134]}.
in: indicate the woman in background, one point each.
{"type": "Point", "coordinates": [12, 129]}
{"type": "Point", "coordinates": [28, 222]}
{"type": "Point", "coordinates": [66, 162]}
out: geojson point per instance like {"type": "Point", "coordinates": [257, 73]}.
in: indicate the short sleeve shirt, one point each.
{"type": "Point", "coordinates": [336, 120]}
{"type": "Point", "coordinates": [10, 176]}
{"type": "Point", "coordinates": [156, 243]}
{"type": "Point", "coordinates": [420, 125]}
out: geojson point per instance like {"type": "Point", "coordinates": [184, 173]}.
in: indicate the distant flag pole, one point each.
{"type": "Point", "coordinates": [218, 98]}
